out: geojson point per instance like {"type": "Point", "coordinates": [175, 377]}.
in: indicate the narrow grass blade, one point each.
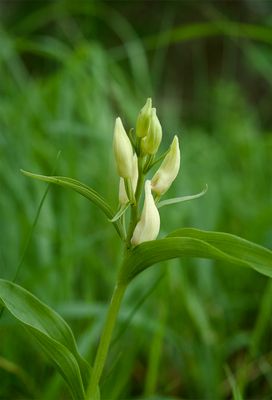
{"type": "Point", "coordinates": [34, 223]}
{"type": "Point", "coordinates": [27, 380]}
{"type": "Point", "coordinates": [207, 29]}
{"type": "Point", "coordinates": [234, 386]}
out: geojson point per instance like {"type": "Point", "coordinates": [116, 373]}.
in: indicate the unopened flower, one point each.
{"type": "Point", "coordinates": [152, 140]}
{"type": "Point", "coordinates": [168, 170]}
{"type": "Point", "coordinates": [123, 198]}
{"type": "Point", "coordinates": [148, 226]}
{"type": "Point", "coordinates": [143, 120]}
{"type": "Point", "coordinates": [122, 150]}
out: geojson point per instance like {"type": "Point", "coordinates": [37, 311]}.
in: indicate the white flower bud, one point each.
{"type": "Point", "coordinates": [123, 198]}
{"type": "Point", "coordinates": [122, 150]}
{"type": "Point", "coordinates": [143, 120]}
{"type": "Point", "coordinates": [148, 226]}
{"type": "Point", "coordinates": [151, 142]}
{"type": "Point", "coordinates": [168, 170]}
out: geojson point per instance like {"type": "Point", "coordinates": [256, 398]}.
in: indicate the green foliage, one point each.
{"type": "Point", "coordinates": [181, 199]}
{"type": "Point", "coordinates": [82, 189]}
{"type": "Point", "coordinates": [188, 242]}
{"type": "Point", "coordinates": [66, 72]}
{"type": "Point", "coordinates": [51, 332]}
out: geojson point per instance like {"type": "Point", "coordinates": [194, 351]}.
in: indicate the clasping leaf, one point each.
{"type": "Point", "coordinates": [189, 242]}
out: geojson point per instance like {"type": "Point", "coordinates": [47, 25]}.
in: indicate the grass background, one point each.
{"type": "Point", "coordinates": [187, 329]}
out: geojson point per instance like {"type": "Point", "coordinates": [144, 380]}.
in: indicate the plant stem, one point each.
{"type": "Point", "coordinates": [105, 340]}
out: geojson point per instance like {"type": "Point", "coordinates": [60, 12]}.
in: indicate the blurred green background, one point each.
{"type": "Point", "coordinates": [187, 329]}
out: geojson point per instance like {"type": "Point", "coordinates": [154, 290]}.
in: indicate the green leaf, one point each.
{"type": "Point", "coordinates": [82, 189]}
{"type": "Point", "coordinates": [236, 393]}
{"type": "Point", "coordinates": [256, 256]}
{"type": "Point", "coordinates": [120, 212]}
{"type": "Point", "coordinates": [54, 336]}
{"type": "Point", "coordinates": [175, 200]}
{"type": "Point", "coordinates": [199, 244]}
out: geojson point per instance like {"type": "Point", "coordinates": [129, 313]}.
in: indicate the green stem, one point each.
{"type": "Point", "coordinates": [105, 340]}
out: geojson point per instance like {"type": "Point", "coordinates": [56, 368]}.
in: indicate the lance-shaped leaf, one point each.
{"type": "Point", "coordinates": [181, 199]}
{"type": "Point", "coordinates": [54, 336]}
{"type": "Point", "coordinates": [82, 189]}
{"type": "Point", "coordinates": [198, 244]}
{"type": "Point", "coordinates": [120, 212]}
{"type": "Point", "coordinates": [259, 257]}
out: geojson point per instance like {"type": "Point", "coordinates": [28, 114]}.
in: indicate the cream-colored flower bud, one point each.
{"type": "Point", "coordinates": [122, 150]}
{"type": "Point", "coordinates": [148, 226]}
{"type": "Point", "coordinates": [123, 198]}
{"type": "Point", "coordinates": [152, 140]}
{"type": "Point", "coordinates": [168, 170]}
{"type": "Point", "coordinates": [143, 120]}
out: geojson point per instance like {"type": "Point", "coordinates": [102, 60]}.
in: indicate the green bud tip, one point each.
{"type": "Point", "coordinates": [143, 120]}
{"type": "Point", "coordinates": [151, 142]}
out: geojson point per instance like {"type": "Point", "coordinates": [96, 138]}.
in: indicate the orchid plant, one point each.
{"type": "Point", "coordinates": [140, 196]}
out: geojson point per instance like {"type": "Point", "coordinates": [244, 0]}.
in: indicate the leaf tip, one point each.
{"type": "Point", "coordinates": [24, 172]}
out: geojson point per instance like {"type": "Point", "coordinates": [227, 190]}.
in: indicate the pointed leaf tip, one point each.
{"type": "Point", "coordinates": [176, 200]}
{"type": "Point", "coordinates": [82, 189]}
{"type": "Point", "coordinates": [194, 243]}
